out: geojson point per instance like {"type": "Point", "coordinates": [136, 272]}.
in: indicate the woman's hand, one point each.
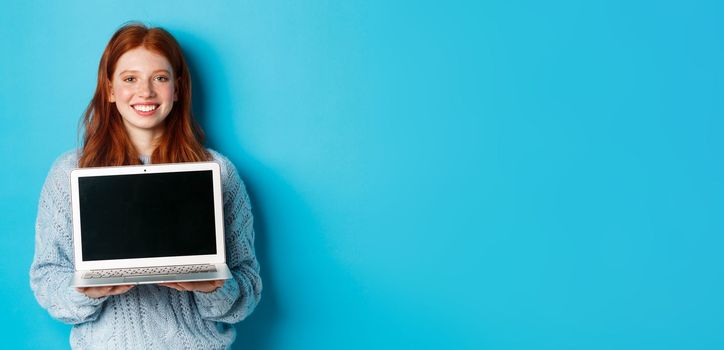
{"type": "Point", "coordinates": [201, 286]}
{"type": "Point", "coordinates": [99, 292]}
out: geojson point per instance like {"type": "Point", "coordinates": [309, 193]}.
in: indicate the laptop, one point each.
{"type": "Point", "coordinates": [148, 224]}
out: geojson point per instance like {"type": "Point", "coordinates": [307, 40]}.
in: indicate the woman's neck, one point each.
{"type": "Point", "coordinates": [144, 141]}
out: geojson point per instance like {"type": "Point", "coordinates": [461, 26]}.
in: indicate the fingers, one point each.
{"type": "Point", "coordinates": [116, 290]}
{"type": "Point", "coordinates": [175, 286]}
{"type": "Point", "coordinates": [99, 292]}
{"type": "Point", "coordinates": [210, 286]}
{"type": "Point", "coordinates": [201, 286]}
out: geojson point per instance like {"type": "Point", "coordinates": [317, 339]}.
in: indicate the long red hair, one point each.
{"type": "Point", "coordinates": [105, 141]}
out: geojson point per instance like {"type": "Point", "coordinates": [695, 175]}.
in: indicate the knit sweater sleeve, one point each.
{"type": "Point", "coordinates": [238, 297]}
{"type": "Point", "coordinates": [52, 268]}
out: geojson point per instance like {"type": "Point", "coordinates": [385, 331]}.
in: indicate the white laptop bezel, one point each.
{"type": "Point", "coordinates": [219, 257]}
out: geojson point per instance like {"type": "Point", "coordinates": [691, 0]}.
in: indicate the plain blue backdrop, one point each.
{"type": "Point", "coordinates": [461, 174]}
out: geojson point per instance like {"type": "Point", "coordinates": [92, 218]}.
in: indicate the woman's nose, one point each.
{"type": "Point", "coordinates": [146, 89]}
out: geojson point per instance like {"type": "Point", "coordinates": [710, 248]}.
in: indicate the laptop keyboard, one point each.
{"type": "Point", "coordinates": [149, 271]}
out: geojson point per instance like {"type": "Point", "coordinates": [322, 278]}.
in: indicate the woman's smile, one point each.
{"type": "Point", "coordinates": [145, 109]}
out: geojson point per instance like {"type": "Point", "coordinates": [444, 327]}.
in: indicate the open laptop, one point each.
{"type": "Point", "coordinates": [148, 224]}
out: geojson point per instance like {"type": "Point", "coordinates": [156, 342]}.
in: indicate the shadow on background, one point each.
{"type": "Point", "coordinates": [257, 330]}
{"type": "Point", "coordinates": [324, 285]}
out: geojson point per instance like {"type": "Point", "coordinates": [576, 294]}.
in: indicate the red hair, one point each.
{"type": "Point", "coordinates": [105, 141]}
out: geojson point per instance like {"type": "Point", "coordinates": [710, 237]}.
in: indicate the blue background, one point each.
{"type": "Point", "coordinates": [468, 175]}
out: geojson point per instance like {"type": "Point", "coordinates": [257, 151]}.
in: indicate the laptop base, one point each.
{"type": "Point", "coordinates": [222, 273]}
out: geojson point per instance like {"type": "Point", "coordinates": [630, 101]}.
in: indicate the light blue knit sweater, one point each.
{"type": "Point", "coordinates": [148, 316]}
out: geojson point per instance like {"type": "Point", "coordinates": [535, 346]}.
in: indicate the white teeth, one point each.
{"type": "Point", "coordinates": [144, 108]}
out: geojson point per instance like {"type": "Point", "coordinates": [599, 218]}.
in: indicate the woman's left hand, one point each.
{"type": "Point", "coordinates": [201, 286]}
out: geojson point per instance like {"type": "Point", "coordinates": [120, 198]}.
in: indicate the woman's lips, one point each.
{"type": "Point", "coordinates": [145, 109]}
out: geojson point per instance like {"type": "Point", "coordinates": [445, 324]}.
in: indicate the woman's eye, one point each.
{"type": "Point", "coordinates": [129, 79]}
{"type": "Point", "coordinates": [162, 78]}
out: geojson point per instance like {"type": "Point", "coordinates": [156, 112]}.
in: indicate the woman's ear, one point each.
{"type": "Point", "coordinates": [111, 97]}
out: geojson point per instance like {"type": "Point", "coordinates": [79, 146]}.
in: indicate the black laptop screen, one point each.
{"type": "Point", "coordinates": [147, 215]}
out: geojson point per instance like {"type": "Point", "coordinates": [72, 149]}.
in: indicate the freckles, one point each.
{"type": "Point", "coordinates": [121, 92]}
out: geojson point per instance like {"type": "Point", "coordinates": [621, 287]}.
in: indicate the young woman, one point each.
{"type": "Point", "coordinates": [141, 113]}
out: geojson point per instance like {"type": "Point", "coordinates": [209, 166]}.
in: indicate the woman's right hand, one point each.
{"type": "Point", "coordinates": [99, 292]}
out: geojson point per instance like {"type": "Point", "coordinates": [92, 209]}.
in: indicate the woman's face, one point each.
{"type": "Point", "coordinates": [143, 90]}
